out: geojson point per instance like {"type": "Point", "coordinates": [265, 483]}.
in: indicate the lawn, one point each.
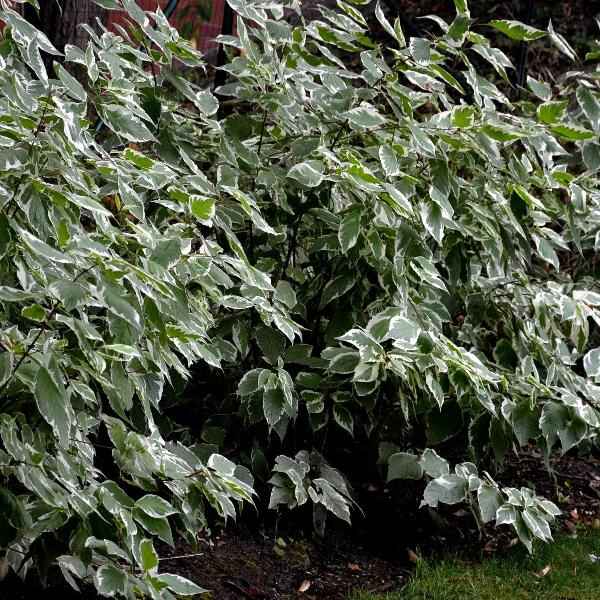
{"type": "Point", "coordinates": [564, 570]}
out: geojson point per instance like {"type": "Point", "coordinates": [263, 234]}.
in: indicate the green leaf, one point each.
{"type": "Point", "coordinates": [590, 105]}
{"type": "Point", "coordinates": [458, 30]}
{"type": "Point", "coordinates": [155, 506]}
{"type": "Point", "coordinates": [271, 343]}
{"type": "Point", "coordinates": [273, 406]}
{"type": "Point", "coordinates": [43, 250]}
{"type": "Point", "coordinates": [431, 215]}
{"type": "Point", "coordinates": [158, 527]}
{"type": "Point", "coordinates": [110, 581]}
{"type": "Point", "coordinates": [285, 293]}
{"type": "Point", "coordinates": [462, 7]}
{"type": "Point", "coordinates": [203, 208]}
{"type": "Point", "coordinates": [6, 366]}
{"type": "Point", "coordinates": [547, 252]}
{"type": "Point", "coordinates": [463, 117]}
{"type": "Point", "coordinates": [35, 312]}
{"type": "Point", "coordinates": [403, 465]}
{"type": "Point", "coordinates": [180, 585]}
{"type": "Point", "coordinates": [551, 112]}
{"type": "Point", "coordinates": [249, 382]}
{"type": "Point", "coordinates": [69, 294]}
{"type": "Point", "coordinates": [591, 363]}
{"type": "Point", "coordinates": [420, 50]}
{"type": "Point", "coordinates": [343, 417]}
{"type": "Point", "coordinates": [119, 306]}
{"type": "Point", "coordinates": [125, 124]}
{"type": "Point", "coordinates": [349, 230]}
{"type": "Point", "coordinates": [307, 173]}
{"type": "Point", "coordinates": [433, 464]}
{"type": "Point", "coordinates": [392, 31]}
{"type": "Point", "coordinates": [75, 89]}
{"type": "Point", "coordinates": [500, 133]}
{"type": "Point", "coordinates": [364, 116]}
{"type": "Point", "coordinates": [399, 33]}
{"type": "Point", "coordinates": [389, 161]}
{"type": "Point", "coordinates": [561, 43]}
{"type": "Point", "coordinates": [572, 132]}
{"type": "Point", "coordinates": [54, 405]}
{"type": "Point", "coordinates": [141, 161]}
{"type": "Point", "coordinates": [517, 30]}
{"type": "Point", "coordinates": [336, 288]}
{"type": "Point", "coordinates": [447, 489]}
{"type": "Point", "coordinates": [524, 420]}
{"type": "Point", "coordinates": [344, 362]}
{"type": "Point", "coordinates": [489, 499]}
{"type": "Point", "coordinates": [148, 556]}
{"type": "Point", "coordinates": [540, 88]}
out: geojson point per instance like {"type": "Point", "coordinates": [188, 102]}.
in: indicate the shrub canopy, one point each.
{"type": "Point", "coordinates": [363, 236]}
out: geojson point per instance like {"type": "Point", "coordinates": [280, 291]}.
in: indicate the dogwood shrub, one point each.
{"type": "Point", "coordinates": [361, 235]}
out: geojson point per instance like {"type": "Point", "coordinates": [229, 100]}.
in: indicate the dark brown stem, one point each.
{"type": "Point", "coordinates": [226, 29]}
{"type": "Point", "coordinates": [291, 250]}
{"type": "Point", "coordinates": [43, 327]}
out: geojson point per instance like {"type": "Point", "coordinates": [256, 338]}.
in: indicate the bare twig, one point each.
{"type": "Point", "coordinates": [181, 556]}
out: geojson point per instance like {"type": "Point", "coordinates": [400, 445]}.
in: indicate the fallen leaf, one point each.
{"type": "Point", "coordinates": [305, 586]}
{"type": "Point", "coordinates": [413, 556]}
{"type": "Point", "coordinates": [353, 567]}
{"type": "Point", "coordinates": [544, 571]}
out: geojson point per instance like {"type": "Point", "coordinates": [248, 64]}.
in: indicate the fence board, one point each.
{"type": "Point", "coordinates": [204, 32]}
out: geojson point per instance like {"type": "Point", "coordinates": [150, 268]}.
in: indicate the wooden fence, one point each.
{"type": "Point", "coordinates": [204, 32]}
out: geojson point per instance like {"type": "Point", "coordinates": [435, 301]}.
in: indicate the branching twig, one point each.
{"type": "Point", "coordinates": [43, 328]}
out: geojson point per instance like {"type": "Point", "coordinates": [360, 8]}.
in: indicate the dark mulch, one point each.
{"type": "Point", "coordinates": [575, 488]}
{"type": "Point", "coordinates": [248, 562]}
{"type": "Point", "coordinates": [239, 564]}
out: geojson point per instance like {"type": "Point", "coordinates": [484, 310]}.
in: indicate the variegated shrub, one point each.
{"type": "Point", "coordinates": [362, 235]}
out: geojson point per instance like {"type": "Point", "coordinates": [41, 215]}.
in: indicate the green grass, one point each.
{"type": "Point", "coordinates": [572, 575]}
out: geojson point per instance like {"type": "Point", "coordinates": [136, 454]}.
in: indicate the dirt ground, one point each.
{"type": "Point", "coordinates": [258, 562]}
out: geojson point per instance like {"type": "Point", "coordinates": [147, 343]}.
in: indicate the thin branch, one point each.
{"type": "Point", "coordinates": [25, 355]}
{"type": "Point", "coordinates": [43, 328]}
{"type": "Point", "coordinates": [262, 133]}
{"type": "Point", "coordinates": [181, 556]}
{"type": "Point", "coordinates": [44, 114]}
{"type": "Point", "coordinates": [291, 250]}
{"type": "Point", "coordinates": [92, 444]}
{"type": "Point", "coordinates": [152, 65]}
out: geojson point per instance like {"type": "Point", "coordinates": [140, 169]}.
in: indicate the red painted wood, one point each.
{"type": "Point", "coordinates": [205, 32]}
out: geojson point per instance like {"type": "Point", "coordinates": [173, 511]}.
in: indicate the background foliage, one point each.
{"type": "Point", "coordinates": [360, 239]}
